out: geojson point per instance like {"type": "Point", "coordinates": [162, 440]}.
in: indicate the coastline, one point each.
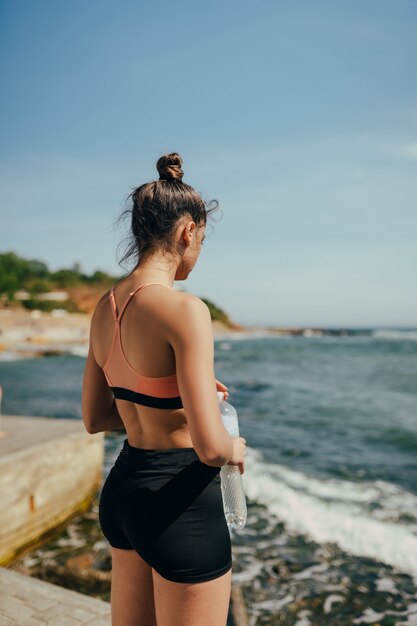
{"type": "Point", "coordinates": [31, 334]}
{"type": "Point", "coordinates": [27, 334]}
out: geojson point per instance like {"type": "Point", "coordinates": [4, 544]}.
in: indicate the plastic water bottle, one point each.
{"type": "Point", "coordinates": [234, 501]}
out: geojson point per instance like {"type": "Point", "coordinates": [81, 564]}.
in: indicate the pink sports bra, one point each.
{"type": "Point", "coordinates": [127, 384]}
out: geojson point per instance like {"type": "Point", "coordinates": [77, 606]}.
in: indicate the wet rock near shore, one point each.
{"type": "Point", "coordinates": [289, 580]}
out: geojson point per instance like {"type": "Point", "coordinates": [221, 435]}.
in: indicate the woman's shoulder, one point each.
{"type": "Point", "coordinates": [191, 304]}
{"type": "Point", "coordinates": [190, 314]}
{"type": "Point", "coordinates": [102, 301]}
{"type": "Point", "coordinates": [100, 309]}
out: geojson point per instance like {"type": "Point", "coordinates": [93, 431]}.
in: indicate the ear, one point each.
{"type": "Point", "coordinates": [188, 230]}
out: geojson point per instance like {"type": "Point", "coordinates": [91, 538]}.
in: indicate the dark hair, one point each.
{"type": "Point", "coordinates": [158, 205]}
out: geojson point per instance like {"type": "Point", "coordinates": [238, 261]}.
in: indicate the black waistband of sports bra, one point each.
{"type": "Point", "coordinates": [121, 393]}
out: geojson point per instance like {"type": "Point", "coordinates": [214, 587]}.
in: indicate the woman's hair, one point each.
{"type": "Point", "coordinates": [157, 206]}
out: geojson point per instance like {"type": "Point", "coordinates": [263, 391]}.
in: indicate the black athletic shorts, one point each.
{"type": "Point", "coordinates": [167, 505]}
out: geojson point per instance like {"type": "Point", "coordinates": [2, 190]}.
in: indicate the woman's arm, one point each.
{"type": "Point", "coordinates": [98, 405]}
{"type": "Point", "coordinates": [191, 337]}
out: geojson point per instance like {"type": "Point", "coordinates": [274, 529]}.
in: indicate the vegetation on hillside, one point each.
{"type": "Point", "coordinates": [84, 290]}
{"type": "Point", "coordinates": [35, 278]}
{"type": "Point", "coordinates": [216, 313]}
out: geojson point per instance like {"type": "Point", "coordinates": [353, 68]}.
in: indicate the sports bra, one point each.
{"type": "Point", "coordinates": [127, 384]}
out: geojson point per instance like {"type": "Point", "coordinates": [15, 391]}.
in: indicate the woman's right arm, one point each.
{"type": "Point", "coordinates": [191, 337]}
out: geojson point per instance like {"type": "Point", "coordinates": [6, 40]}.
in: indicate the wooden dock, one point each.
{"type": "Point", "coordinates": [50, 470]}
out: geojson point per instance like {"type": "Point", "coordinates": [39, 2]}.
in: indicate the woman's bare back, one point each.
{"type": "Point", "coordinates": [143, 329]}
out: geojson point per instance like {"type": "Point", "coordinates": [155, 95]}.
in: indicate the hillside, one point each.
{"type": "Point", "coordinates": [28, 284]}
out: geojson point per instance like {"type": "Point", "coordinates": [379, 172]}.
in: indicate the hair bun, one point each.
{"type": "Point", "coordinates": [169, 167]}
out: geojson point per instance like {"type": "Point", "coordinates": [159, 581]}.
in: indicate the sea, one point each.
{"type": "Point", "coordinates": [330, 420]}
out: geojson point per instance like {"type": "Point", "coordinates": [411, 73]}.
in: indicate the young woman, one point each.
{"type": "Point", "coordinates": [150, 370]}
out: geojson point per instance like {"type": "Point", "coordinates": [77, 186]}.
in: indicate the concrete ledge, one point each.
{"type": "Point", "coordinates": [51, 469]}
{"type": "Point", "coordinates": [26, 601]}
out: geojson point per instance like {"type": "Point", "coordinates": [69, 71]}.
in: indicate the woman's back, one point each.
{"type": "Point", "coordinates": [129, 333]}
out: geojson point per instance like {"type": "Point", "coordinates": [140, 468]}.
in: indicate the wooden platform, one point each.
{"type": "Point", "coordinates": [50, 469]}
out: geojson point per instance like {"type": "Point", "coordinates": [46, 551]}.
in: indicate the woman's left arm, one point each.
{"type": "Point", "coordinates": [98, 406]}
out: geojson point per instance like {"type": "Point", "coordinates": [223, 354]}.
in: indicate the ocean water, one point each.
{"type": "Point", "coordinates": [330, 476]}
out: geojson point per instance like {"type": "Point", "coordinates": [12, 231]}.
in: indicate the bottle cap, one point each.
{"type": "Point", "coordinates": [220, 395]}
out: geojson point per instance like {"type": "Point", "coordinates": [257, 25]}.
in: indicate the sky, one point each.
{"type": "Point", "coordinates": [300, 118]}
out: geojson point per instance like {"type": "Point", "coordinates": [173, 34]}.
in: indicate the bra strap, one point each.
{"type": "Point", "coordinates": [132, 293]}
{"type": "Point", "coordinates": [113, 304]}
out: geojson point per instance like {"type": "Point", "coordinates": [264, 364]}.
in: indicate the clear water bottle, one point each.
{"type": "Point", "coordinates": [234, 501]}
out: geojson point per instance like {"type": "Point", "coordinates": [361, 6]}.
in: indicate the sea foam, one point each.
{"type": "Point", "coordinates": [361, 518]}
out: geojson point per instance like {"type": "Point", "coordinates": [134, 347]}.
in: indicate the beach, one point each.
{"type": "Point", "coordinates": [35, 333]}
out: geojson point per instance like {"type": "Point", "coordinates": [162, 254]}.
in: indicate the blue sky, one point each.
{"type": "Point", "coordinates": [299, 118]}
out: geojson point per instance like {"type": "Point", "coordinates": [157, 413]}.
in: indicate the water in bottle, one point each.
{"type": "Point", "coordinates": [234, 501]}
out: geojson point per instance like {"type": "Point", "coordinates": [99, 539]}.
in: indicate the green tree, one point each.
{"type": "Point", "coordinates": [216, 313]}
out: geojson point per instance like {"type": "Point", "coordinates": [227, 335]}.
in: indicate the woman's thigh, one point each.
{"type": "Point", "coordinates": [189, 604]}
{"type": "Point", "coordinates": [132, 595]}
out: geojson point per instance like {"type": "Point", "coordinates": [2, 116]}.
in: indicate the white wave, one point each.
{"type": "Point", "coordinates": [391, 499]}
{"type": "Point", "coordinates": [302, 618]}
{"type": "Point", "coordinates": [336, 511]}
{"type": "Point", "coordinates": [9, 355]}
{"type": "Point", "coordinates": [309, 332]}
{"type": "Point", "coordinates": [31, 351]}
{"type": "Point", "coordinates": [236, 335]}
{"type": "Point", "coordinates": [81, 350]}
{"type": "Point", "coordinates": [386, 585]}
{"type": "Point", "coordinates": [369, 616]}
{"type": "Point", "coordinates": [395, 334]}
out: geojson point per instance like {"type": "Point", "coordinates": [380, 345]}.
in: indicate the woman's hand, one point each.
{"type": "Point", "coordinates": [221, 387]}
{"type": "Point", "coordinates": [239, 451]}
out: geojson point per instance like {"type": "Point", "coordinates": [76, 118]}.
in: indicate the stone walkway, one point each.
{"type": "Point", "coordinates": [27, 601]}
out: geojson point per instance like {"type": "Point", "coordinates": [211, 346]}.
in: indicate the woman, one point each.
{"type": "Point", "coordinates": [150, 370]}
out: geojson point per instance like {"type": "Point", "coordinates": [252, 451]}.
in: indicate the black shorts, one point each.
{"type": "Point", "coordinates": [167, 505]}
